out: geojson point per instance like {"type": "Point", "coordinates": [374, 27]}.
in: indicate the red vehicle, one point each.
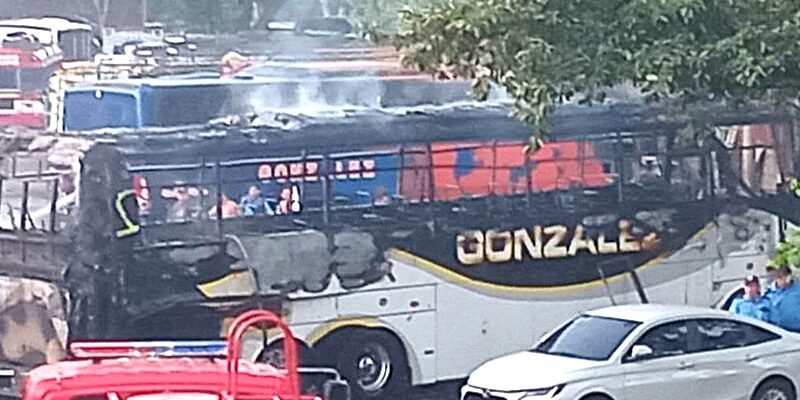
{"type": "Point", "coordinates": [25, 67]}
{"type": "Point", "coordinates": [176, 371]}
{"type": "Point", "coordinates": [31, 50]}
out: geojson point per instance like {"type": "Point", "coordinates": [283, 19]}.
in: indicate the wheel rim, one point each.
{"type": "Point", "coordinates": [774, 394]}
{"type": "Point", "coordinates": [373, 368]}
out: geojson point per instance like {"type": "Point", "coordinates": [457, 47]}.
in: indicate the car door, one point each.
{"type": "Point", "coordinates": [726, 353]}
{"type": "Point", "coordinates": [668, 373]}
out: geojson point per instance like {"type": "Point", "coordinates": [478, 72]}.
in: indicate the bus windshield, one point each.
{"type": "Point", "coordinates": [9, 78]}
{"type": "Point", "coordinates": [25, 79]}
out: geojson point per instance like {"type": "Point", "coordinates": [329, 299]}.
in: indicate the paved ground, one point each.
{"type": "Point", "coordinates": [442, 391]}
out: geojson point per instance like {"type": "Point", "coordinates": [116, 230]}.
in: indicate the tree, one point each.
{"type": "Point", "coordinates": [95, 11]}
{"type": "Point", "coordinates": [378, 19]}
{"type": "Point", "coordinates": [549, 51]}
{"type": "Point", "coordinates": [101, 10]}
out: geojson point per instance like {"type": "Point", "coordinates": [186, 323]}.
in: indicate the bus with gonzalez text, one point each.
{"type": "Point", "coordinates": [403, 246]}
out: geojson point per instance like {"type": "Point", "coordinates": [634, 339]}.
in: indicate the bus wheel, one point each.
{"type": "Point", "coordinates": [375, 365]}
{"type": "Point", "coordinates": [273, 355]}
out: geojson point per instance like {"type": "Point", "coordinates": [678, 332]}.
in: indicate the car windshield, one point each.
{"type": "Point", "coordinates": [587, 337]}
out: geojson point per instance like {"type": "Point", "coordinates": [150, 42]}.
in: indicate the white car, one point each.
{"type": "Point", "coordinates": [648, 352]}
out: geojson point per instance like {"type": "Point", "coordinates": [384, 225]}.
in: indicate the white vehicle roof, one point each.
{"type": "Point", "coordinates": [44, 36]}
{"type": "Point", "coordinates": [647, 313]}
{"type": "Point", "coordinates": [44, 30]}
{"type": "Point", "coordinates": [50, 23]}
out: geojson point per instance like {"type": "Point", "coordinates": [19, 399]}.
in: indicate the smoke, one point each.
{"type": "Point", "coordinates": [316, 94]}
{"type": "Point", "coordinates": [277, 87]}
{"type": "Point", "coordinates": [307, 94]}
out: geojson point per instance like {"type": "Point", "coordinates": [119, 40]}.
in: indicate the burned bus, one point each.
{"type": "Point", "coordinates": [404, 246]}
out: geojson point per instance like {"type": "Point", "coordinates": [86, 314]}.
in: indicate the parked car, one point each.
{"type": "Point", "coordinates": [648, 352]}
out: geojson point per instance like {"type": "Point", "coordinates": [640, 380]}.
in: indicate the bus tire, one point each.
{"type": "Point", "coordinates": [273, 354]}
{"type": "Point", "coordinates": [375, 365]}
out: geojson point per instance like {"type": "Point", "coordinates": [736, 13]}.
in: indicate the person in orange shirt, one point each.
{"type": "Point", "coordinates": [231, 63]}
{"type": "Point", "coordinates": [229, 209]}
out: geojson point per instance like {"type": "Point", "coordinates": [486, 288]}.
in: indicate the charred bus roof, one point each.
{"type": "Point", "coordinates": [321, 129]}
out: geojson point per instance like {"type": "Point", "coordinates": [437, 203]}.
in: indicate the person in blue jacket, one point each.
{"type": "Point", "coordinates": [784, 299]}
{"type": "Point", "coordinates": [752, 304]}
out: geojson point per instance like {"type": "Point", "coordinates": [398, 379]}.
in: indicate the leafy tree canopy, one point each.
{"type": "Point", "coordinates": [788, 252]}
{"type": "Point", "coordinates": [378, 19]}
{"type": "Point", "coordinates": [549, 51]}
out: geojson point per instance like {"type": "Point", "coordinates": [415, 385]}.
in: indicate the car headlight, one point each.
{"type": "Point", "coordinates": [547, 392]}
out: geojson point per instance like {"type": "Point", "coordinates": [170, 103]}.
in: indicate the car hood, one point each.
{"type": "Point", "coordinates": [527, 370]}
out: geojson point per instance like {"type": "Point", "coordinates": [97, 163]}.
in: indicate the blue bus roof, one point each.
{"type": "Point", "coordinates": [186, 81]}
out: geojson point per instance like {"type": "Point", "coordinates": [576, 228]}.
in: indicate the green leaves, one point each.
{"type": "Point", "coordinates": [788, 252]}
{"type": "Point", "coordinates": [549, 51]}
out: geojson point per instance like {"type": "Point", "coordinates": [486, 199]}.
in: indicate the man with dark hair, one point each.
{"type": "Point", "coordinates": [752, 304]}
{"type": "Point", "coordinates": [253, 203]}
{"type": "Point", "coordinates": [784, 299]}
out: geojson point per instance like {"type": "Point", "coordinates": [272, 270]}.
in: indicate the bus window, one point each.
{"type": "Point", "coordinates": [687, 178]}
{"type": "Point", "coordinates": [77, 44]}
{"type": "Point", "coordinates": [88, 110]}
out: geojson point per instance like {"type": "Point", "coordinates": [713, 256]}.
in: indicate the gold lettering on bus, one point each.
{"type": "Point", "coordinates": [580, 243]}
{"type": "Point", "coordinates": [546, 242]}
{"type": "Point", "coordinates": [506, 244]}
{"type": "Point", "coordinates": [627, 242]}
{"type": "Point", "coordinates": [555, 247]}
{"type": "Point", "coordinates": [604, 247]}
{"type": "Point", "coordinates": [469, 248]}
{"type": "Point", "coordinates": [523, 239]}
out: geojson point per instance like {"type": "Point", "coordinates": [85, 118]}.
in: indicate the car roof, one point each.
{"type": "Point", "coordinates": [200, 374]}
{"type": "Point", "coordinates": [648, 313]}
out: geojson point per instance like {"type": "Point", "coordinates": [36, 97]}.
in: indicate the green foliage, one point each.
{"type": "Point", "coordinates": [788, 252]}
{"type": "Point", "coordinates": [378, 19]}
{"type": "Point", "coordinates": [794, 185]}
{"type": "Point", "coordinates": [549, 51]}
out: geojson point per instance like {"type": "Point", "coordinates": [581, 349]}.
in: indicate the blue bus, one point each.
{"type": "Point", "coordinates": [170, 102]}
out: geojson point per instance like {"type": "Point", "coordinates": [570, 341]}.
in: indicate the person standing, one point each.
{"type": "Point", "coordinates": [784, 299]}
{"type": "Point", "coordinates": [752, 304]}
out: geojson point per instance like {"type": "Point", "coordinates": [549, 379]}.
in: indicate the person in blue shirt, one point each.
{"type": "Point", "coordinates": [254, 204]}
{"type": "Point", "coordinates": [752, 304]}
{"type": "Point", "coordinates": [784, 299]}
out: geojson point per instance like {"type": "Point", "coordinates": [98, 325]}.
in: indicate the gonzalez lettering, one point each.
{"type": "Point", "coordinates": [548, 242]}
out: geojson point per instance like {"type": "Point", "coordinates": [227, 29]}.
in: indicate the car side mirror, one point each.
{"type": "Point", "coordinates": [336, 389]}
{"type": "Point", "coordinates": [640, 352]}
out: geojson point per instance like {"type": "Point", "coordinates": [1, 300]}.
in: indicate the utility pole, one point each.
{"type": "Point", "coordinates": [144, 13]}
